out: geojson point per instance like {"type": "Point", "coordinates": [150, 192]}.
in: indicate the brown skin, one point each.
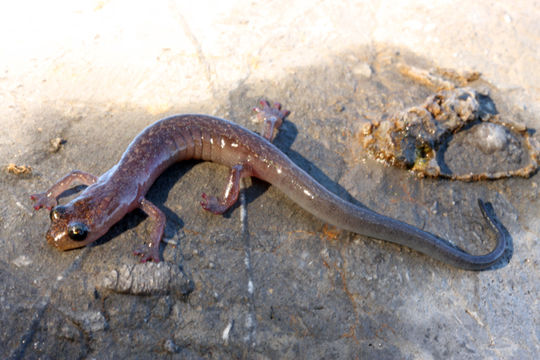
{"type": "Point", "coordinates": [122, 189]}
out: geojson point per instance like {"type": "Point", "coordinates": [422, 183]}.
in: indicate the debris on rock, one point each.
{"type": "Point", "coordinates": [56, 144]}
{"type": "Point", "coordinates": [18, 169]}
{"type": "Point", "coordinates": [415, 138]}
{"type": "Point", "coordinates": [439, 79]}
{"type": "Point", "coordinates": [148, 279]}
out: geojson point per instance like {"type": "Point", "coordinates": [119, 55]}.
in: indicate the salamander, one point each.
{"type": "Point", "coordinates": [121, 189]}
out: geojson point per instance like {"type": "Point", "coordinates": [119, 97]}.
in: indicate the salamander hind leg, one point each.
{"type": "Point", "coordinates": [230, 194]}
{"type": "Point", "coordinates": [272, 118]}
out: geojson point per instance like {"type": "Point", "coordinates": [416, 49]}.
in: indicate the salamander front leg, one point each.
{"type": "Point", "coordinates": [47, 199]}
{"type": "Point", "coordinates": [157, 219]}
{"type": "Point", "coordinates": [272, 118]}
{"type": "Point", "coordinates": [230, 194]}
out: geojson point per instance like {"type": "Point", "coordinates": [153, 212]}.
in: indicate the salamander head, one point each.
{"type": "Point", "coordinates": [69, 231]}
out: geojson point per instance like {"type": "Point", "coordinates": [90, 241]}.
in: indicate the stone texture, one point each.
{"type": "Point", "coordinates": [269, 280]}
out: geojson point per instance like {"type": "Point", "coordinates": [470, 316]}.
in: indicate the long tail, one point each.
{"type": "Point", "coordinates": [317, 200]}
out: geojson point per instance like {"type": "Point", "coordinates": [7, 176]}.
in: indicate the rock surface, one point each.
{"type": "Point", "coordinates": [78, 80]}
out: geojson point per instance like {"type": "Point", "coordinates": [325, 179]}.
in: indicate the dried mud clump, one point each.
{"type": "Point", "coordinates": [18, 169]}
{"type": "Point", "coordinates": [414, 139]}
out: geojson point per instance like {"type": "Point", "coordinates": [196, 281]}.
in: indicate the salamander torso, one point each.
{"type": "Point", "coordinates": [123, 188]}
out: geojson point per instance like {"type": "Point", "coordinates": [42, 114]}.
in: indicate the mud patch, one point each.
{"type": "Point", "coordinates": [457, 128]}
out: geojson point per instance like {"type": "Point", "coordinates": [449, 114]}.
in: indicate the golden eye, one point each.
{"type": "Point", "coordinates": [77, 231]}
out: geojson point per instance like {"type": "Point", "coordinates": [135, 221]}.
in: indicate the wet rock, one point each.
{"type": "Point", "coordinates": [490, 137]}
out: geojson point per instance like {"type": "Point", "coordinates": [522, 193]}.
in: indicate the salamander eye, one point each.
{"type": "Point", "coordinates": [57, 212]}
{"type": "Point", "coordinates": [77, 231]}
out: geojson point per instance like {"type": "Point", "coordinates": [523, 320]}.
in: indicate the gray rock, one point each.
{"type": "Point", "coordinates": [266, 280]}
